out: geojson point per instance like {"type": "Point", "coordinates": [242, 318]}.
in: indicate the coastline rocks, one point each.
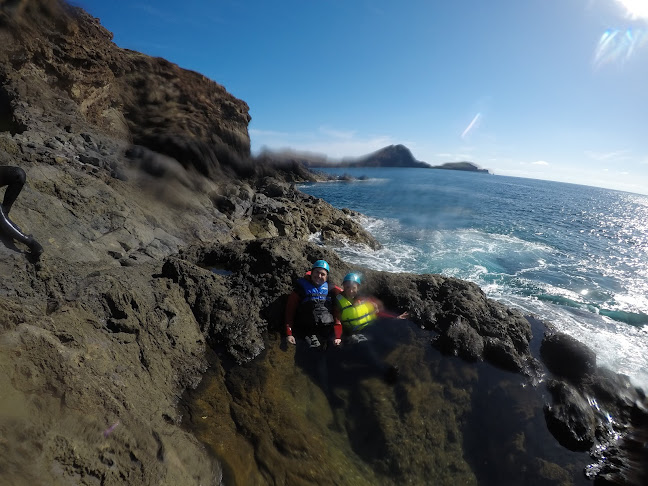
{"type": "Point", "coordinates": [566, 357]}
{"type": "Point", "coordinates": [91, 365]}
{"type": "Point", "coordinates": [595, 410]}
{"type": "Point", "coordinates": [571, 419]}
{"type": "Point", "coordinates": [462, 340]}
{"type": "Point", "coordinates": [468, 323]}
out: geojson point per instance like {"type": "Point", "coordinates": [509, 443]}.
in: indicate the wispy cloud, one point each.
{"type": "Point", "coordinates": [602, 156]}
{"type": "Point", "coordinates": [347, 135]}
{"type": "Point", "coordinates": [540, 162]}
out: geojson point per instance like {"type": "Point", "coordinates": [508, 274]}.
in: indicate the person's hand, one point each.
{"type": "Point", "coordinates": [337, 342]}
{"type": "Point", "coordinates": [404, 315]}
{"type": "Point", "coordinates": [291, 339]}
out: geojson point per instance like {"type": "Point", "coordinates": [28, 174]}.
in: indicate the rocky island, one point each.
{"type": "Point", "coordinates": [145, 346]}
{"type": "Point", "coordinates": [390, 156]}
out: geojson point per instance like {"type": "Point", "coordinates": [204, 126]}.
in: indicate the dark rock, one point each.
{"type": "Point", "coordinates": [566, 357]}
{"type": "Point", "coordinates": [462, 340]}
{"type": "Point", "coordinates": [570, 418]}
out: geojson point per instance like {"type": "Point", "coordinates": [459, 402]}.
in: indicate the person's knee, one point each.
{"type": "Point", "coordinates": [19, 176]}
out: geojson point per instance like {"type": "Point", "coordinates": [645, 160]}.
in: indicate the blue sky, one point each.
{"type": "Point", "coordinates": [548, 89]}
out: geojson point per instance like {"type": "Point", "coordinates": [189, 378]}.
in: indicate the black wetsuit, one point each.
{"type": "Point", "coordinates": [14, 178]}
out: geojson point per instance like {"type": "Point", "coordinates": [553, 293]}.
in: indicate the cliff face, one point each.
{"type": "Point", "coordinates": [58, 60]}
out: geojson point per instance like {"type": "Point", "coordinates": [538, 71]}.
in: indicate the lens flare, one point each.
{"type": "Point", "coordinates": [617, 45]}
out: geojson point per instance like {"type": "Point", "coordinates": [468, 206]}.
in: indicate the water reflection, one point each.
{"type": "Point", "coordinates": [295, 416]}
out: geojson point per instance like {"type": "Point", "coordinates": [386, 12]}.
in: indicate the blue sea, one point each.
{"type": "Point", "coordinates": [572, 255]}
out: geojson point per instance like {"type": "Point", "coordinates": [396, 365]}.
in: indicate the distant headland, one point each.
{"type": "Point", "coordinates": [392, 156]}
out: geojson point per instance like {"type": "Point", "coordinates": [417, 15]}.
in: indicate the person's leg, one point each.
{"type": "Point", "coordinates": [14, 178]}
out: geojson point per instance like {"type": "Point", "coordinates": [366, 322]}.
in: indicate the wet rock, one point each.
{"type": "Point", "coordinates": [570, 419]}
{"type": "Point", "coordinates": [566, 357]}
{"type": "Point", "coordinates": [468, 324]}
{"type": "Point", "coordinates": [462, 340]}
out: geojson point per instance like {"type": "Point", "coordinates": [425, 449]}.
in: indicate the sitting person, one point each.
{"type": "Point", "coordinates": [308, 309]}
{"type": "Point", "coordinates": [14, 178]}
{"type": "Point", "coordinates": [354, 314]}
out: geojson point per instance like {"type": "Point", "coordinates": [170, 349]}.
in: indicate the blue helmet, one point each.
{"type": "Point", "coordinates": [321, 264]}
{"type": "Point", "coordinates": [352, 277]}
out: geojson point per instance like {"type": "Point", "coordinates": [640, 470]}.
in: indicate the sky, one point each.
{"type": "Point", "coordinates": [546, 89]}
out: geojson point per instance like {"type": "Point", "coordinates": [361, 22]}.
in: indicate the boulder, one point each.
{"type": "Point", "coordinates": [566, 357]}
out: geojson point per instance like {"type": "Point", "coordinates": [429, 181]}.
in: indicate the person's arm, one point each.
{"type": "Point", "coordinates": [382, 313]}
{"type": "Point", "coordinates": [291, 310]}
{"type": "Point", "coordinates": [337, 326]}
{"type": "Point", "coordinates": [337, 330]}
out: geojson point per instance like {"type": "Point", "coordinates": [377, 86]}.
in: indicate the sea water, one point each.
{"type": "Point", "coordinates": [572, 255]}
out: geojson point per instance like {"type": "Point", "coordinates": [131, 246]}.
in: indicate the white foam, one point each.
{"type": "Point", "coordinates": [619, 347]}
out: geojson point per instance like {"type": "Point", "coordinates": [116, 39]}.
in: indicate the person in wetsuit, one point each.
{"type": "Point", "coordinates": [308, 309]}
{"type": "Point", "coordinates": [354, 314]}
{"type": "Point", "coordinates": [14, 178]}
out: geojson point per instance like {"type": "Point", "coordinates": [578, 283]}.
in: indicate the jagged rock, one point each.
{"type": "Point", "coordinates": [462, 340]}
{"type": "Point", "coordinates": [570, 419]}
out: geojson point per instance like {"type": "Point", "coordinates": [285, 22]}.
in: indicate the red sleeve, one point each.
{"type": "Point", "coordinates": [337, 329]}
{"type": "Point", "coordinates": [291, 309]}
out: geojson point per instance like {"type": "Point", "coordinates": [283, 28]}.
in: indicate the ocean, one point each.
{"type": "Point", "coordinates": [572, 255]}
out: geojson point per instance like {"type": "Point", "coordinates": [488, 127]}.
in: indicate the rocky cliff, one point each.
{"type": "Point", "coordinates": [168, 252]}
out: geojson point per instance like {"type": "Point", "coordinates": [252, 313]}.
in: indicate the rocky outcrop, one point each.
{"type": "Point", "coordinates": [63, 56]}
{"type": "Point", "coordinates": [390, 156]}
{"type": "Point", "coordinates": [593, 410]}
{"type": "Point", "coordinates": [464, 166]}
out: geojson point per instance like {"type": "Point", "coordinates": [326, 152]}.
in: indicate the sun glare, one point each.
{"type": "Point", "coordinates": [637, 9]}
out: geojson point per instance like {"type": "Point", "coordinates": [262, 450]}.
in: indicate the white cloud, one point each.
{"type": "Point", "coordinates": [540, 162]}
{"type": "Point", "coordinates": [347, 135]}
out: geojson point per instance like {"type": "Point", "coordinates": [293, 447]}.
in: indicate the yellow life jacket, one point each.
{"type": "Point", "coordinates": [355, 317]}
